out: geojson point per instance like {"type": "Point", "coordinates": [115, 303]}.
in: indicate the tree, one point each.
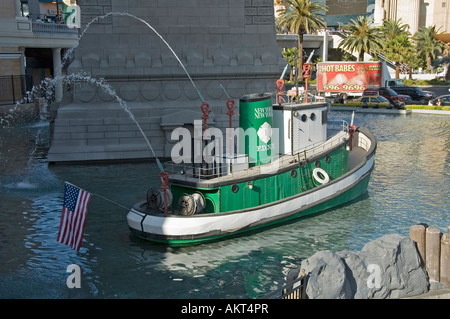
{"type": "Point", "coordinates": [396, 44]}
{"type": "Point", "coordinates": [289, 55]}
{"type": "Point", "coordinates": [392, 28]}
{"type": "Point", "coordinates": [361, 37]}
{"type": "Point", "coordinates": [427, 45]}
{"type": "Point", "coordinates": [300, 17]}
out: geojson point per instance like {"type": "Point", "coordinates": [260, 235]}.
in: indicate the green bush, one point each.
{"type": "Point", "coordinates": [411, 106]}
{"type": "Point", "coordinates": [427, 107]}
{"type": "Point", "coordinates": [425, 82]}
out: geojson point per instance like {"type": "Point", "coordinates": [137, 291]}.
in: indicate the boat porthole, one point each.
{"type": "Point", "coordinates": [316, 163]}
{"type": "Point", "coordinates": [235, 188]}
{"type": "Point", "coordinates": [320, 176]}
{"type": "Point", "coordinates": [327, 158]}
{"type": "Point", "coordinates": [304, 118]}
{"type": "Point", "coordinates": [313, 117]}
{"type": "Point", "coordinates": [293, 173]}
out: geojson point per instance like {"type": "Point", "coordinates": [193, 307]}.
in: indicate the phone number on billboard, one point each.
{"type": "Point", "coordinates": [344, 87]}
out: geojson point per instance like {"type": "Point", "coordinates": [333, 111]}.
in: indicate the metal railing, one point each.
{"type": "Point", "coordinates": [295, 289]}
{"type": "Point", "coordinates": [241, 166]}
{"type": "Point", "coordinates": [53, 29]}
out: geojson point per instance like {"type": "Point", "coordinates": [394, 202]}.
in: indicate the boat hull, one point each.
{"type": "Point", "coordinates": [178, 230]}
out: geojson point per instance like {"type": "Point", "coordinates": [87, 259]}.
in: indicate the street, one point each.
{"type": "Point", "coordinates": [438, 90]}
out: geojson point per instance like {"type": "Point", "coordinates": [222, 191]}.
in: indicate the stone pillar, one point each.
{"type": "Point", "coordinates": [433, 244]}
{"type": "Point", "coordinates": [379, 13]}
{"type": "Point", "coordinates": [18, 9]}
{"type": "Point", "coordinates": [445, 260]}
{"type": "Point", "coordinates": [57, 69]}
{"type": "Point", "coordinates": [415, 15]}
{"type": "Point", "coordinates": [325, 46]}
{"type": "Point", "coordinates": [417, 234]}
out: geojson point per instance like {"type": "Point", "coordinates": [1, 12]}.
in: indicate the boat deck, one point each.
{"type": "Point", "coordinates": [282, 162]}
{"type": "Point", "coordinates": [355, 157]}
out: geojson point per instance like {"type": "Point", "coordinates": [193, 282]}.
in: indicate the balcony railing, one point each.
{"type": "Point", "coordinates": [53, 29]}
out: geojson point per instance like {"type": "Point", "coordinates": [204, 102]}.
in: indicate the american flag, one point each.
{"type": "Point", "coordinates": [73, 217]}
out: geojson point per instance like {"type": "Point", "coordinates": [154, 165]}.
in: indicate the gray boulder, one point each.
{"type": "Point", "coordinates": [402, 271]}
{"type": "Point", "coordinates": [327, 276]}
{"type": "Point", "coordinates": [388, 267]}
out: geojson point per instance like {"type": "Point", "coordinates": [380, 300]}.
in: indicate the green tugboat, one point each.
{"type": "Point", "coordinates": [284, 166]}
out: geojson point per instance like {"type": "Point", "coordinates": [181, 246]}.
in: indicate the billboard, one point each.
{"type": "Point", "coordinates": [348, 76]}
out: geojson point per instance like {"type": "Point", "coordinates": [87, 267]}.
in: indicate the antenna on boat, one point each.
{"type": "Point", "coordinates": [310, 57]}
{"type": "Point", "coordinates": [285, 69]}
{"type": "Point", "coordinates": [351, 130]}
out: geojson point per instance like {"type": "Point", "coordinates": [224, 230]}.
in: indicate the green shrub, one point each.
{"type": "Point", "coordinates": [427, 107]}
{"type": "Point", "coordinates": [424, 82]}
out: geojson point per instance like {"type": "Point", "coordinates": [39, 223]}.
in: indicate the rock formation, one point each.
{"type": "Point", "coordinates": [388, 267]}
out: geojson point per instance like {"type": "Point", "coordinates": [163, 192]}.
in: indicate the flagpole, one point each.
{"type": "Point", "coordinates": [104, 198]}
{"type": "Point", "coordinates": [112, 202]}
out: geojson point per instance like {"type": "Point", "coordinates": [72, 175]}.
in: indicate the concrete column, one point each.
{"type": "Point", "coordinates": [445, 260]}
{"type": "Point", "coordinates": [417, 234]}
{"type": "Point", "coordinates": [393, 10]}
{"type": "Point", "coordinates": [325, 46]}
{"type": "Point", "coordinates": [57, 70]}
{"type": "Point", "coordinates": [433, 245]}
{"type": "Point", "coordinates": [378, 16]}
{"type": "Point", "coordinates": [18, 11]}
{"type": "Point", "coordinates": [415, 15]}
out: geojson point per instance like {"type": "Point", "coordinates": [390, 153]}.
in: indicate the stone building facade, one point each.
{"type": "Point", "coordinates": [146, 51]}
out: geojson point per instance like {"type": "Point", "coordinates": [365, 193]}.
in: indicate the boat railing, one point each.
{"type": "Point", "coordinates": [345, 126]}
{"type": "Point", "coordinates": [202, 171]}
{"type": "Point", "coordinates": [364, 142]}
{"type": "Point", "coordinates": [295, 289]}
{"type": "Point", "coordinates": [330, 143]}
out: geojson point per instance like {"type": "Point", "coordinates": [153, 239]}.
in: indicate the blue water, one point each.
{"type": "Point", "coordinates": [410, 184]}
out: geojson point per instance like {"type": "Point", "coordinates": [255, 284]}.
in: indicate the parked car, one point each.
{"type": "Point", "coordinates": [374, 101]}
{"type": "Point", "coordinates": [398, 100]}
{"type": "Point", "coordinates": [416, 93]}
{"type": "Point", "coordinates": [444, 101]}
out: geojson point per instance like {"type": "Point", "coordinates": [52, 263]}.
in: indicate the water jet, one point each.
{"type": "Point", "coordinates": [162, 85]}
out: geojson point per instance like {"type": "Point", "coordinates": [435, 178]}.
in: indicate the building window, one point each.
{"type": "Point", "coordinates": [25, 10]}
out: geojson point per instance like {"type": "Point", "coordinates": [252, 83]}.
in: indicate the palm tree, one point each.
{"type": "Point", "coordinates": [398, 50]}
{"type": "Point", "coordinates": [361, 37]}
{"type": "Point", "coordinates": [427, 45]}
{"type": "Point", "coordinates": [289, 55]}
{"type": "Point", "coordinates": [396, 45]}
{"type": "Point", "coordinates": [392, 28]}
{"type": "Point", "coordinates": [300, 17]}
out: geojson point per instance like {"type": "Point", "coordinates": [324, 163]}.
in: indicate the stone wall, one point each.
{"type": "Point", "coordinates": [228, 44]}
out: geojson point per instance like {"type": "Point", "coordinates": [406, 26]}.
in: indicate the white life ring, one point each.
{"type": "Point", "coordinates": [323, 178]}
